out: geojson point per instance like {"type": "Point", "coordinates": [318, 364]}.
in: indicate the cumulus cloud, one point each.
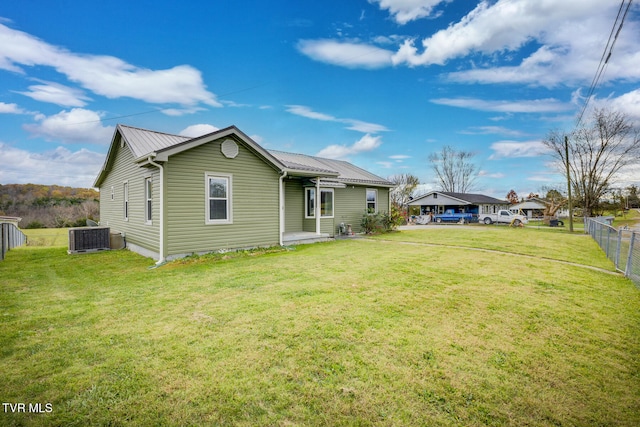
{"type": "Point", "coordinates": [547, 105]}
{"type": "Point", "coordinates": [627, 103]}
{"type": "Point", "coordinates": [75, 126]}
{"type": "Point", "coordinates": [60, 166]}
{"type": "Point", "coordinates": [105, 75]}
{"type": "Point", "coordinates": [404, 11]}
{"type": "Point", "coordinates": [346, 54]}
{"type": "Point", "coordinates": [10, 109]}
{"type": "Point", "coordinates": [198, 130]}
{"type": "Point", "coordinates": [352, 124]}
{"type": "Point", "coordinates": [364, 144]}
{"type": "Point", "coordinates": [566, 33]}
{"type": "Point", "coordinates": [512, 149]}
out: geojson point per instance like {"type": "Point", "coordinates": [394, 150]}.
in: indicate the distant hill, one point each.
{"type": "Point", "coordinates": [49, 206]}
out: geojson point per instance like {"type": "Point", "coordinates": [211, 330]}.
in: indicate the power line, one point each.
{"type": "Point", "coordinates": [606, 55]}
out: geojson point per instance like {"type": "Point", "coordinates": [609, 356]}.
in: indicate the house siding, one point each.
{"type": "Point", "coordinates": [351, 204]}
{"type": "Point", "coordinates": [294, 205]}
{"type": "Point", "coordinates": [136, 230]}
{"type": "Point", "coordinates": [254, 192]}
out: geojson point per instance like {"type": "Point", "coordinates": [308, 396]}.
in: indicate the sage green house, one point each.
{"type": "Point", "coordinates": [173, 195]}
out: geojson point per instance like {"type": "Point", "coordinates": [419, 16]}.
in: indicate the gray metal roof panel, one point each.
{"type": "Point", "coordinates": [346, 172]}
{"type": "Point", "coordinates": [144, 142]}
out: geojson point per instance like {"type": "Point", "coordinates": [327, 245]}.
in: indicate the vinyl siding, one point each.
{"type": "Point", "coordinates": [136, 230]}
{"type": "Point", "coordinates": [254, 192]}
{"type": "Point", "coordinates": [294, 205]}
{"type": "Point", "coordinates": [351, 204]}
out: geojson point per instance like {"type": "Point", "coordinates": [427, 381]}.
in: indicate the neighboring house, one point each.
{"type": "Point", "coordinates": [173, 195]}
{"type": "Point", "coordinates": [437, 202]}
{"type": "Point", "coordinates": [534, 208]}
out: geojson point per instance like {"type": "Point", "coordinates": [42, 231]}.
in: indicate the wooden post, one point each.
{"type": "Point", "coordinates": [569, 201]}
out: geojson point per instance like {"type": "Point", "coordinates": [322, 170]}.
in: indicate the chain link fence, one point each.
{"type": "Point", "coordinates": [10, 237]}
{"type": "Point", "coordinates": [622, 246]}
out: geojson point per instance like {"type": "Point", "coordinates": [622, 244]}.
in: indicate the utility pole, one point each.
{"type": "Point", "coordinates": [566, 163]}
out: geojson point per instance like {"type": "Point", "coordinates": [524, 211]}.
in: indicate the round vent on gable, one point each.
{"type": "Point", "coordinates": [229, 148]}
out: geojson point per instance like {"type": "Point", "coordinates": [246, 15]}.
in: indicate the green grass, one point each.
{"type": "Point", "coordinates": [550, 243]}
{"type": "Point", "coordinates": [344, 333]}
{"type": "Point", "coordinates": [47, 237]}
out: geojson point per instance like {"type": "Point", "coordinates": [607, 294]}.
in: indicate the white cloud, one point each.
{"type": "Point", "coordinates": [511, 149]}
{"type": "Point", "coordinates": [399, 157]}
{"type": "Point", "coordinates": [105, 75]}
{"type": "Point", "coordinates": [301, 110]}
{"type": "Point", "coordinates": [404, 11]}
{"type": "Point", "coordinates": [491, 130]}
{"type": "Point", "coordinates": [352, 124]}
{"type": "Point", "coordinates": [57, 94]}
{"type": "Point", "coordinates": [346, 54]}
{"type": "Point", "coordinates": [10, 109]}
{"type": "Point", "coordinates": [627, 103]}
{"type": "Point", "coordinates": [364, 144]}
{"type": "Point", "coordinates": [75, 126]}
{"type": "Point", "coordinates": [60, 166]}
{"type": "Point", "coordinates": [570, 35]}
{"type": "Point", "coordinates": [548, 105]}
{"type": "Point", "coordinates": [198, 130]}
{"type": "Point", "coordinates": [494, 175]}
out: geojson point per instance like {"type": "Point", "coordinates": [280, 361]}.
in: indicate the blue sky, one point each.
{"type": "Point", "coordinates": [381, 83]}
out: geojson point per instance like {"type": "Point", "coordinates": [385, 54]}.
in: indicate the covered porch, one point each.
{"type": "Point", "coordinates": [303, 237]}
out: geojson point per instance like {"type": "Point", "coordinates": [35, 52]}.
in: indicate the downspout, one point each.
{"type": "Point", "coordinates": [281, 188]}
{"type": "Point", "coordinates": [161, 258]}
{"type": "Point", "coordinates": [318, 201]}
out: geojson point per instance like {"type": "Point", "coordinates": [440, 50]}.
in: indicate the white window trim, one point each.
{"type": "Point", "coordinates": [322, 190]}
{"type": "Point", "coordinates": [125, 200]}
{"type": "Point", "coordinates": [375, 209]}
{"type": "Point", "coordinates": [148, 201]}
{"type": "Point", "coordinates": [229, 178]}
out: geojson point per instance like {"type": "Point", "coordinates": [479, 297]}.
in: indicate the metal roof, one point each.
{"type": "Point", "coordinates": [468, 198]}
{"type": "Point", "coordinates": [143, 143]}
{"type": "Point", "coordinates": [345, 171]}
{"type": "Point", "coordinates": [474, 198]}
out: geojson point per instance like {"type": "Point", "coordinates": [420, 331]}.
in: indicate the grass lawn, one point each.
{"type": "Point", "coordinates": [47, 237]}
{"type": "Point", "coordinates": [355, 332]}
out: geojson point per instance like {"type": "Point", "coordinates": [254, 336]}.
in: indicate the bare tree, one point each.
{"type": "Point", "coordinates": [455, 171]}
{"type": "Point", "coordinates": [405, 185]}
{"type": "Point", "coordinates": [597, 152]}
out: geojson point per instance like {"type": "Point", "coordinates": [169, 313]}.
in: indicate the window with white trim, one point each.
{"type": "Point", "coordinates": [125, 191]}
{"type": "Point", "coordinates": [148, 207]}
{"type": "Point", "coordinates": [219, 202]}
{"type": "Point", "coordinates": [326, 202]}
{"type": "Point", "coordinates": [113, 192]}
{"type": "Point", "coordinates": [372, 200]}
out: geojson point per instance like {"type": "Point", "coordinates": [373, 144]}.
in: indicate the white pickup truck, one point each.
{"type": "Point", "coordinates": [503, 217]}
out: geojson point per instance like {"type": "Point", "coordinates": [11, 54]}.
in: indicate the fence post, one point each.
{"type": "Point", "coordinates": [618, 246]}
{"type": "Point", "coordinates": [627, 270]}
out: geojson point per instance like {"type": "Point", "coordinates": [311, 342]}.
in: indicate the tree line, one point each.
{"type": "Point", "coordinates": [49, 206]}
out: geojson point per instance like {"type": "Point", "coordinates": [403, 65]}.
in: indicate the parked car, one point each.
{"type": "Point", "coordinates": [503, 217]}
{"type": "Point", "coordinates": [451, 216]}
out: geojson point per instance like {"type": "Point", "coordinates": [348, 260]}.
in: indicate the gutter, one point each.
{"type": "Point", "coordinates": [281, 188]}
{"type": "Point", "coordinates": [161, 257]}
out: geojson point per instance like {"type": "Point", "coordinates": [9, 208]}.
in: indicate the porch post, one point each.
{"type": "Point", "coordinates": [318, 199]}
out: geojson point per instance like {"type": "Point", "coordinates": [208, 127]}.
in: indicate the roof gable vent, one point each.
{"type": "Point", "coordinates": [229, 148]}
